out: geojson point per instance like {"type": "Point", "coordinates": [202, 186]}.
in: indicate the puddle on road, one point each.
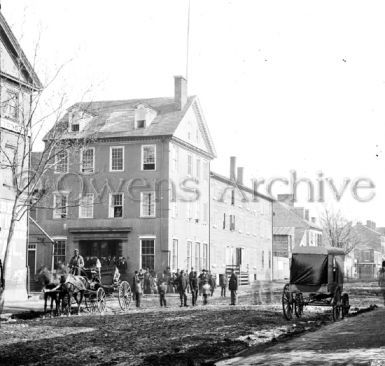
{"type": "Point", "coordinates": [355, 356]}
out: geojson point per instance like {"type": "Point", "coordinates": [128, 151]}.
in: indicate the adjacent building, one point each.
{"type": "Point", "coordinates": [370, 250]}
{"type": "Point", "coordinates": [241, 227]}
{"type": "Point", "coordinates": [18, 82]}
{"type": "Point", "coordinates": [292, 227]}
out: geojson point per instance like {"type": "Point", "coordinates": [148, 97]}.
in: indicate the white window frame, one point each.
{"type": "Point", "coordinates": [56, 171]}
{"type": "Point", "coordinates": [111, 208]}
{"type": "Point", "coordinates": [175, 254]}
{"type": "Point", "coordinates": [205, 265]}
{"type": "Point", "coordinates": [141, 238]}
{"type": "Point", "coordinates": [142, 157]}
{"type": "Point", "coordinates": [93, 160]}
{"type": "Point", "coordinates": [190, 167]}
{"type": "Point", "coordinates": [6, 105]}
{"type": "Point", "coordinates": [82, 206]}
{"type": "Point", "coordinates": [116, 170]}
{"type": "Point", "coordinates": [142, 214]}
{"type": "Point", "coordinates": [55, 215]}
{"type": "Point", "coordinates": [198, 172]}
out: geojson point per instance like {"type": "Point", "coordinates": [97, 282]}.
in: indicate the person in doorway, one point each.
{"type": "Point", "coordinates": [233, 287]}
{"type": "Point", "coordinates": [76, 263]}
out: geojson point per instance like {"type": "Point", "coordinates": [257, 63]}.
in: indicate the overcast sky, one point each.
{"type": "Point", "coordinates": [285, 85]}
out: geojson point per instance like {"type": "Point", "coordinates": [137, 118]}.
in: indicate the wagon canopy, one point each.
{"type": "Point", "coordinates": [309, 265]}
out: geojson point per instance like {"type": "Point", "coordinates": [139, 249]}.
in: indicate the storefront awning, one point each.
{"type": "Point", "coordinates": [100, 233]}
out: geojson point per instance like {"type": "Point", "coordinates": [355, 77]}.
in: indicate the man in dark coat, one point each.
{"type": "Point", "coordinates": [76, 263]}
{"type": "Point", "coordinates": [233, 287]}
{"type": "Point", "coordinates": [194, 285]}
{"type": "Point", "coordinates": [223, 283]}
{"type": "Point", "coordinates": [182, 287]}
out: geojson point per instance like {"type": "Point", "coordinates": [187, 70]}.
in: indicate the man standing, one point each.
{"type": "Point", "coordinates": [182, 286]}
{"type": "Point", "coordinates": [233, 287]}
{"type": "Point", "coordinates": [223, 284]}
{"type": "Point", "coordinates": [138, 291]}
{"type": "Point", "coordinates": [76, 263]}
{"type": "Point", "coordinates": [194, 287]}
{"type": "Point", "coordinates": [381, 280]}
{"type": "Point", "coordinates": [162, 289]}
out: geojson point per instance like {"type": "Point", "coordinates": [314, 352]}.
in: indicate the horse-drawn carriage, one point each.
{"type": "Point", "coordinates": [94, 287]}
{"type": "Point", "coordinates": [316, 279]}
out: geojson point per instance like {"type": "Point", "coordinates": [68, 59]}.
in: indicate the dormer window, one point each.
{"type": "Point", "coordinates": [75, 127]}
{"type": "Point", "coordinates": [77, 120]}
{"type": "Point", "coordinates": [144, 115]}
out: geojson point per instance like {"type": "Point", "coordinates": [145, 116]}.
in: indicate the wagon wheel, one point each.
{"type": "Point", "coordinates": [336, 302]}
{"type": "Point", "coordinates": [345, 305]}
{"type": "Point", "coordinates": [90, 301]}
{"type": "Point", "coordinates": [101, 299]}
{"type": "Point", "coordinates": [124, 295]}
{"type": "Point", "coordinates": [287, 305]}
{"type": "Point", "coordinates": [298, 305]}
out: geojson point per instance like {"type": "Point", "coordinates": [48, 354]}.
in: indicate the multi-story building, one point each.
{"type": "Point", "coordinates": [241, 227]}
{"type": "Point", "coordinates": [369, 251]}
{"type": "Point", "coordinates": [18, 82]}
{"type": "Point", "coordinates": [292, 227]}
{"type": "Point", "coordinates": [139, 189]}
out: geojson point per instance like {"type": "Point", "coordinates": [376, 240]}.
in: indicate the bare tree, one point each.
{"type": "Point", "coordinates": [338, 231]}
{"type": "Point", "coordinates": [29, 114]}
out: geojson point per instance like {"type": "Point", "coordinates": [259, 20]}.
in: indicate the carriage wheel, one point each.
{"type": "Point", "coordinates": [345, 305]}
{"type": "Point", "coordinates": [336, 302]}
{"type": "Point", "coordinates": [101, 299]}
{"type": "Point", "coordinates": [124, 295]}
{"type": "Point", "coordinates": [90, 301]}
{"type": "Point", "coordinates": [287, 305]}
{"type": "Point", "coordinates": [298, 305]}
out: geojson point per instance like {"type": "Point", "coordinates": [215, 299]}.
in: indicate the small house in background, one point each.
{"type": "Point", "coordinates": [370, 250]}
{"type": "Point", "coordinates": [292, 227]}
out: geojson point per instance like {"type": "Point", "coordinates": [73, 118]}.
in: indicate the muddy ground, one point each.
{"type": "Point", "coordinates": [153, 336]}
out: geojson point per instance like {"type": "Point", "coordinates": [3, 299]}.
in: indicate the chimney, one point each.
{"type": "Point", "coordinates": [233, 163]}
{"type": "Point", "coordinates": [313, 220]}
{"type": "Point", "coordinates": [286, 198]}
{"type": "Point", "coordinates": [180, 92]}
{"type": "Point", "coordinates": [240, 176]}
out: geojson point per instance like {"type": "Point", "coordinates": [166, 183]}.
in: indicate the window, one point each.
{"type": "Point", "coordinates": [117, 159]}
{"type": "Point", "coordinates": [205, 257]}
{"type": "Point", "coordinates": [148, 157]}
{"type": "Point", "coordinates": [147, 253]}
{"type": "Point", "coordinates": [147, 204]}
{"type": "Point", "coordinates": [233, 197]}
{"type": "Point", "coordinates": [88, 161]}
{"type": "Point", "coordinates": [205, 171]}
{"type": "Point", "coordinates": [61, 162]}
{"type": "Point", "coordinates": [174, 263]}
{"type": "Point", "coordinates": [75, 127]}
{"type": "Point", "coordinates": [188, 257]}
{"type": "Point", "coordinates": [189, 165]}
{"type": "Point", "coordinates": [86, 206]}
{"type": "Point", "coordinates": [116, 205]}
{"type": "Point", "coordinates": [198, 169]}
{"type": "Point", "coordinates": [232, 222]}
{"type": "Point", "coordinates": [141, 123]}
{"type": "Point", "coordinates": [10, 106]}
{"type": "Point", "coordinates": [176, 158]}
{"type": "Point", "coordinates": [263, 259]}
{"type": "Point", "coordinates": [197, 257]}
{"type": "Point", "coordinates": [269, 259]}
{"type": "Point", "coordinates": [224, 221]}
{"type": "Point", "coordinates": [60, 203]}
{"type": "Point", "coordinates": [59, 253]}
{"type": "Point", "coordinates": [197, 211]}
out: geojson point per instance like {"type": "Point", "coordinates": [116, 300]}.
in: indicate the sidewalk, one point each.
{"type": "Point", "coordinates": [353, 341]}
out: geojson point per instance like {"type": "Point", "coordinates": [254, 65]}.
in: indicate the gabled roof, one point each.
{"type": "Point", "coordinates": [16, 51]}
{"type": "Point", "coordinates": [116, 119]}
{"type": "Point", "coordinates": [285, 216]}
{"type": "Point", "coordinates": [368, 238]}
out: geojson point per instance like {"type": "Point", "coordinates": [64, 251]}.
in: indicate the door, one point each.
{"type": "Point", "coordinates": [32, 259]}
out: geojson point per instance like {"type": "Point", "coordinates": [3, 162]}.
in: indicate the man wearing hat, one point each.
{"type": "Point", "coordinates": [76, 263]}
{"type": "Point", "coordinates": [233, 287]}
{"type": "Point", "coordinates": [182, 281]}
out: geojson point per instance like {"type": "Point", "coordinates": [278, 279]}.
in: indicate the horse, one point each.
{"type": "Point", "coordinates": [71, 287]}
{"type": "Point", "coordinates": [51, 289]}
